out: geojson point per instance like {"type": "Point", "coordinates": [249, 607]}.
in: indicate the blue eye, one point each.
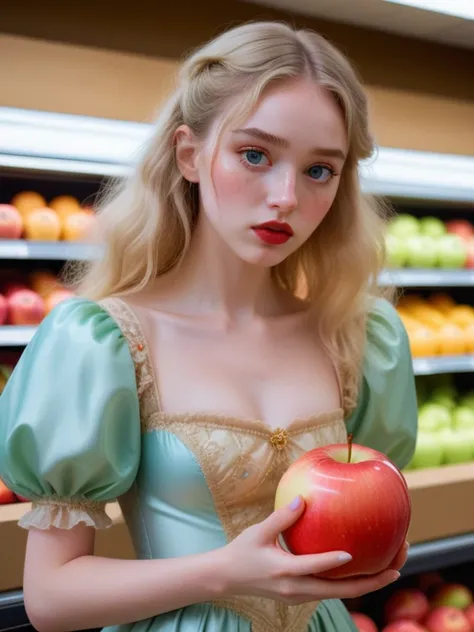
{"type": "Point", "coordinates": [320, 173]}
{"type": "Point", "coordinates": [253, 156]}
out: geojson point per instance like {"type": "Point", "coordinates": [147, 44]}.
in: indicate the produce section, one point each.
{"type": "Point", "coordinates": [429, 247]}
{"type": "Point", "coordinates": [427, 602]}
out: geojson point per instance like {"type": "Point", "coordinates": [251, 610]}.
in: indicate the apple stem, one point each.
{"type": "Point", "coordinates": [349, 441]}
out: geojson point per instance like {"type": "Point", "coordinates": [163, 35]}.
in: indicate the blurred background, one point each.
{"type": "Point", "coordinates": [80, 83]}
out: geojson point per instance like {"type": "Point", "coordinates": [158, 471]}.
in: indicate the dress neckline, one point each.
{"type": "Point", "coordinates": [130, 325]}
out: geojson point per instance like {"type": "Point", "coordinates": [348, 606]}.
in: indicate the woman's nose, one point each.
{"type": "Point", "coordinates": [282, 191]}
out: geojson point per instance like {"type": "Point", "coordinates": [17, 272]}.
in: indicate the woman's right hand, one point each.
{"type": "Point", "coordinates": [257, 565]}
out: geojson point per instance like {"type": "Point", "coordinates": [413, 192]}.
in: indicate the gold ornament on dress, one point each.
{"type": "Point", "coordinates": [279, 439]}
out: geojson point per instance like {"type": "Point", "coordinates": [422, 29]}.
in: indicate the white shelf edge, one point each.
{"type": "Point", "coordinates": [16, 336]}
{"type": "Point", "coordinates": [81, 144]}
{"type": "Point", "coordinates": [66, 251]}
{"type": "Point", "coordinates": [433, 277]}
{"type": "Point", "coordinates": [443, 364]}
{"type": "Point", "coordinates": [44, 250]}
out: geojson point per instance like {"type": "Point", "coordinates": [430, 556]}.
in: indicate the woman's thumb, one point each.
{"type": "Point", "coordinates": [283, 518]}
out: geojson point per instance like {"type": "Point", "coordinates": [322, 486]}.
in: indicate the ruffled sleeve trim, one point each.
{"type": "Point", "coordinates": [65, 514]}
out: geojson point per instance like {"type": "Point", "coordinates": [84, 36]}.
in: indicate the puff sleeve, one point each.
{"type": "Point", "coordinates": [386, 416]}
{"type": "Point", "coordinates": [69, 419]}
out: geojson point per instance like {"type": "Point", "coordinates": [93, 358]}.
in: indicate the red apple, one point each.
{"type": "Point", "coordinates": [408, 603]}
{"type": "Point", "coordinates": [3, 310]}
{"type": "Point", "coordinates": [363, 623]}
{"type": "Point", "coordinates": [469, 612]}
{"type": "Point", "coordinates": [25, 307]}
{"type": "Point", "coordinates": [455, 595]}
{"type": "Point", "coordinates": [11, 224]}
{"type": "Point", "coordinates": [447, 619]}
{"type": "Point", "coordinates": [404, 626]}
{"type": "Point", "coordinates": [470, 253]}
{"type": "Point", "coordinates": [430, 582]}
{"type": "Point", "coordinates": [460, 227]}
{"type": "Point", "coordinates": [6, 495]}
{"type": "Point", "coordinates": [356, 500]}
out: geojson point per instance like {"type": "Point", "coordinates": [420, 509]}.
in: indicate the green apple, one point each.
{"type": "Point", "coordinates": [404, 225]}
{"type": "Point", "coordinates": [432, 227]}
{"type": "Point", "coordinates": [457, 446]}
{"type": "Point", "coordinates": [452, 252]}
{"type": "Point", "coordinates": [397, 251]}
{"type": "Point", "coordinates": [428, 451]}
{"type": "Point", "coordinates": [433, 417]}
{"type": "Point", "coordinates": [467, 400]}
{"type": "Point", "coordinates": [422, 252]}
{"type": "Point", "coordinates": [463, 417]}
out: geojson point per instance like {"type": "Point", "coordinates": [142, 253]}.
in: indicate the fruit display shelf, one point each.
{"type": "Point", "coordinates": [428, 277]}
{"type": "Point", "coordinates": [22, 249]}
{"type": "Point", "coordinates": [437, 365]}
{"type": "Point", "coordinates": [47, 251]}
{"type": "Point", "coordinates": [15, 336]}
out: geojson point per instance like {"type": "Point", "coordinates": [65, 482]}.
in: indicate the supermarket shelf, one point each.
{"type": "Point", "coordinates": [443, 364]}
{"type": "Point", "coordinates": [440, 554]}
{"type": "Point", "coordinates": [80, 144]}
{"type": "Point", "coordinates": [427, 278]}
{"type": "Point", "coordinates": [15, 336]}
{"type": "Point", "coordinates": [44, 250]}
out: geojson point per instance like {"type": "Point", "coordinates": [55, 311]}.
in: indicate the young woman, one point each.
{"type": "Point", "coordinates": [232, 324]}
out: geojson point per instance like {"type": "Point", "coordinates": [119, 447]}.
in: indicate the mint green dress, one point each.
{"type": "Point", "coordinates": [81, 425]}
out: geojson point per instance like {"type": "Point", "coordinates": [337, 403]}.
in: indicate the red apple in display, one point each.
{"type": "Point", "coordinates": [460, 227]}
{"type": "Point", "coordinates": [447, 619]}
{"type": "Point", "coordinates": [3, 310]}
{"type": "Point", "coordinates": [455, 595]}
{"type": "Point", "coordinates": [409, 603]}
{"type": "Point", "coordinates": [356, 500]}
{"type": "Point", "coordinates": [469, 612]}
{"type": "Point", "coordinates": [470, 253]}
{"type": "Point", "coordinates": [363, 623]}
{"type": "Point", "coordinates": [11, 224]}
{"type": "Point", "coordinates": [430, 582]}
{"type": "Point", "coordinates": [25, 307]}
{"type": "Point", "coordinates": [404, 626]}
{"type": "Point", "coordinates": [6, 496]}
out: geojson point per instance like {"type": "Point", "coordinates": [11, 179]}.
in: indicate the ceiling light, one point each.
{"type": "Point", "coordinates": [459, 8]}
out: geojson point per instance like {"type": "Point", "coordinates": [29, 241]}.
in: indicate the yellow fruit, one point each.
{"type": "Point", "coordinates": [423, 342]}
{"type": "Point", "coordinates": [469, 338]}
{"type": "Point", "coordinates": [452, 340]}
{"type": "Point", "coordinates": [64, 205]}
{"type": "Point", "coordinates": [442, 302]}
{"type": "Point", "coordinates": [428, 316]}
{"type": "Point", "coordinates": [461, 315]}
{"type": "Point", "coordinates": [27, 201]}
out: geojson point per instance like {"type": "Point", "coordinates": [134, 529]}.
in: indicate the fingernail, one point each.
{"type": "Point", "coordinates": [295, 503]}
{"type": "Point", "coordinates": [394, 576]}
{"type": "Point", "coordinates": [344, 557]}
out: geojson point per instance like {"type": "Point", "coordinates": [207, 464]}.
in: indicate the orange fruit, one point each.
{"type": "Point", "coordinates": [469, 338]}
{"type": "Point", "coordinates": [27, 201]}
{"type": "Point", "coordinates": [423, 342]}
{"type": "Point", "coordinates": [76, 226]}
{"type": "Point", "coordinates": [452, 340]}
{"type": "Point", "coordinates": [64, 205]}
{"type": "Point", "coordinates": [461, 315]}
{"type": "Point", "coordinates": [442, 302]}
{"type": "Point", "coordinates": [42, 224]}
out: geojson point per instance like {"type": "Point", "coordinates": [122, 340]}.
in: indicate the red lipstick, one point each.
{"type": "Point", "coordinates": [274, 233]}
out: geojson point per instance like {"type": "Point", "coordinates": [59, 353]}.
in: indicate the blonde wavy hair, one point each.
{"type": "Point", "coordinates": [146, 220]}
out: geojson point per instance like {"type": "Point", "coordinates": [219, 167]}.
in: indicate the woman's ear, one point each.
{"type": "Point", "coordinates": [187, 151]}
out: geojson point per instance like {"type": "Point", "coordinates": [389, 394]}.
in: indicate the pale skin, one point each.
{"type": "Point", "coordinates": [250, 351]}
